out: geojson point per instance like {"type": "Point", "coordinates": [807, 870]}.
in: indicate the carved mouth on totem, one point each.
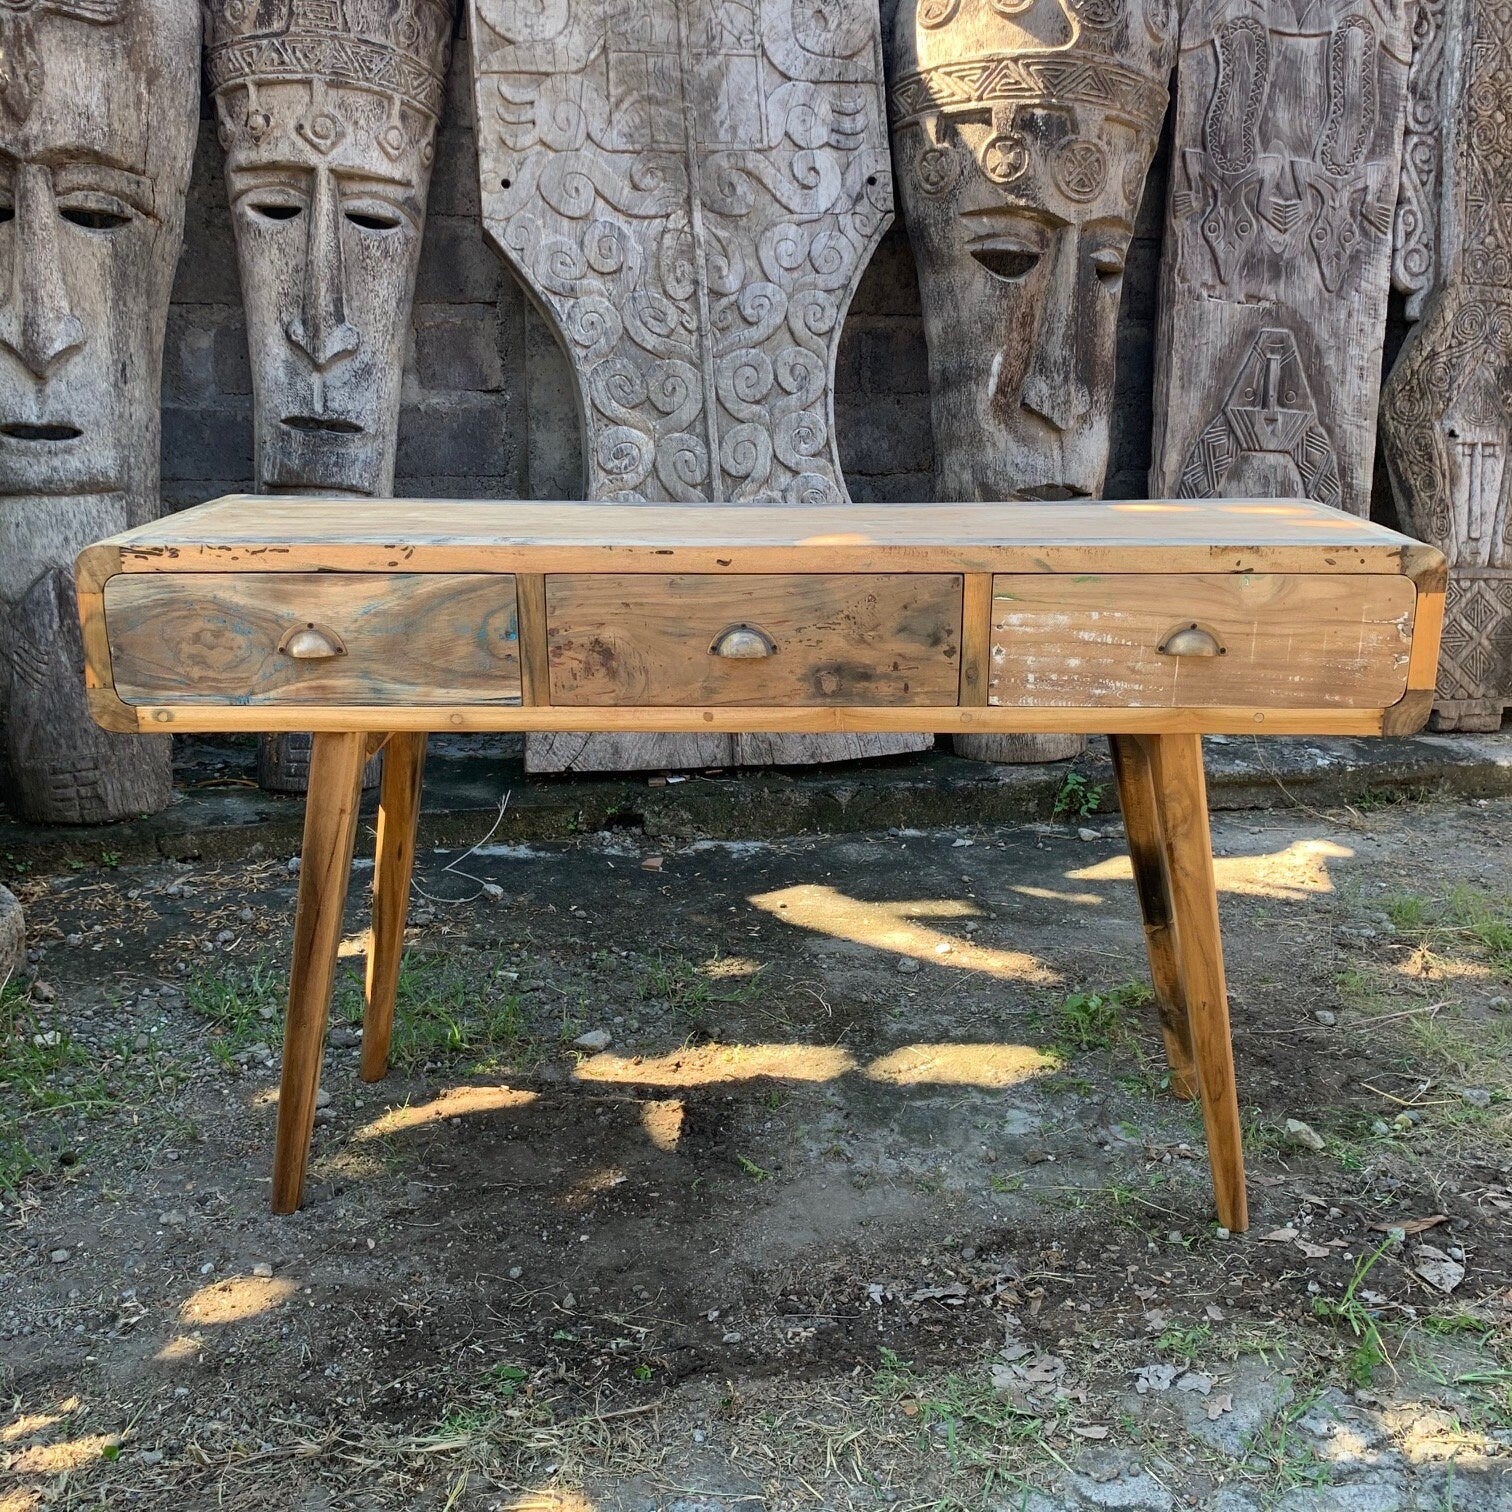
{"type": "Point", "coordinates": [330, 425]}
{"type": "Point", "coordinates": [1053, 493]}
{"type": "Point", "coordinates": [18, 431]}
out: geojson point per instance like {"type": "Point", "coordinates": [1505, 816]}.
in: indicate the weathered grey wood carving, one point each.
{"type": "Point", "coordinates": [12, 937]}
{"type": "Point", "coordinates": [1022, 131]}
{"type": "Point", "coordinates": [1445, 408]}
{"type": "Point", "coordinates": [691, 192]}
{"type": "Point", "coordinates": [328, 112]}
{"type": "Point", "coordinates": [1415, 240]}
{"type": "Point", "coordinates": [99, 102]}
{"type": "Point", "coordinates": [1278, 248]}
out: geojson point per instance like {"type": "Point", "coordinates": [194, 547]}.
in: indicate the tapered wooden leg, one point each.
{"type": "Point", "coordinates": [1181, 802]}
{"type": "Point", "coordinates": [1136, 796]}
{"type": "Point", "coordinates": [325, 867]}
{"type": "Point", "coordinates": [398, 814]}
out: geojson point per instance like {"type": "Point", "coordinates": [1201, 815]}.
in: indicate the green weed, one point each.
{"type": "Point", "coordinates": [1369, 1352]}
{"type": "Point", "coordinates": [1078, 798]}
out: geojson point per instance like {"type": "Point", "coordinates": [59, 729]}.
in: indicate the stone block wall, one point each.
{"type": "Point", "coordinates": [489, 406]}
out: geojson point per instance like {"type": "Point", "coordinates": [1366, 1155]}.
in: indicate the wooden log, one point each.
{"type": "Point", "coordinates": [1152, 887]}
{"type": "Point", "coordinates": [99, 108]}
{"type": "Point", "coordinates": [1022, 145]}
{"type": "Point", "coordinates": [324, 872]}
{"type": "Point", "coordinates": [1180, 789]}
{"type": "Point", "coordinates": [327, 177]}
{"type": "Point", "coordinates": [1277, 257]}
{"type": "Point", "coordinates": [1444, 420]}
{"type": "Point", "coordinates": [393, 864]}
{"type": "Point", "coordinates": [691, 194]}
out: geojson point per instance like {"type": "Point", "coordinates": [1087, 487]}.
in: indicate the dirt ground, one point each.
{"type": "Point", "coordinates": [874, 1196]}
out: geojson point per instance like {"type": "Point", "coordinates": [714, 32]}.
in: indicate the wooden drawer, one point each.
{"type": "Point", "coordinates": [233, 638]}
{"type": "Point", "coordinates": [883, 639]}
{"type": "Point", "coordinates": [1274, 640]}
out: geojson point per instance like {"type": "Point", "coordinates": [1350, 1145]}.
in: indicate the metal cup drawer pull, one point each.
{"type": "Point", "coordinates": [742, 643]}
{"type": "Point", "coordinates": [1191, 640]}
{"type": "Point", "coordinates": [312, 642]}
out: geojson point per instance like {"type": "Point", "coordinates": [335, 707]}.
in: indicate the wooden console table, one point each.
{"type": "Point", "coordinates": [374, 623]}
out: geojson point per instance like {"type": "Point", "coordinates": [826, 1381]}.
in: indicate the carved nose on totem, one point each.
{"type": "Point", "coordinates": [36, 323]}
{"type": "Point", "coordinates": [1060, 399]}
{"type": "Point", "coordinates": [324, 342]}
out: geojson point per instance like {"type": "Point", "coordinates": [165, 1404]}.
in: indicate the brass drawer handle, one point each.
{"type": "Point", "coordinates": [312, 643]}
{"type": "Point", "coordinates": [742, 643]}
{"type": "Point", "coordinates": [1191, 640]}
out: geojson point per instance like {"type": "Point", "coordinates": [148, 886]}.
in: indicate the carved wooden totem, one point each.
{"type": "Point", "coordinates": [1445, 415]}
{"type": "Point", "coordinates": [1278, 248]}
{"type": "Point", "coordinates": [99, 104]}
{"type": "Point", "coordinates": [1022, 133]}
{"type": "Point", "coordinates": [690, 189]}
{"type": "Point", "coordinates": [328, 112]}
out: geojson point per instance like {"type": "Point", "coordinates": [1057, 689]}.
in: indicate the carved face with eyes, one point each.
{"type": "Point", "coordinates": [91, 196]}
{"type": "Point", "coordinates": [328, 226]}
{"type": "Point", "coordinates": [1020, 206]}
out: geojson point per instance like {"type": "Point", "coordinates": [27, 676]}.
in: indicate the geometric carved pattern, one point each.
{"type": "Point", "coordinates": [1279, 245]}
{"type": "Point", "coordinates": [1445, 407]}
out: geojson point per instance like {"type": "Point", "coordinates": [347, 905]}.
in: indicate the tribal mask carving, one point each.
{"type": "Point", "coordinates": [1022, 132]}
{"type": "Point", "coordinates": [328, 112]}
{"type": "Point", "coordinates": [99, 106]}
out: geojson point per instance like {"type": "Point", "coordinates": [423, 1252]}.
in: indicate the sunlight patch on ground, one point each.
{"type": "Point", "coordinates": [453, 1103]}
{"type": "Point", "coordinates": [592, 1186]}
{"type": "Point", "coordinates": [893, 926]}
{"type": "Point", "coordinates": [662, 1120]}
{"type": "Point", "coordinates": [1426, 965]}
{"type": "Point", "coordinates": [722, 967]}
{"type": "Point", "coordinates": [183, 1349]}
{"type": "Point", "coordinates": [1054, 895]}
{"type": "Point", "coordinates": [29, 1424]}
{"type": "Point", "coordinates": [57, 1459]}
{"type": "Point", "coordinates": [1294, 873]}
{"type": "Point", "coordinates": [703, 1065]}
{"type": "Point", "coordinates": [236, 1299]}
{"type": "Point", "coordinates": [962, 1065]}
{"type": "Point", "coordinates": [551, 1501]}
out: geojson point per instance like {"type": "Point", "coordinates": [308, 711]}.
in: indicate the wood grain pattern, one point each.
{"type": "Point", "coordinates": [1180, 788]}
{"type": "Point", "coordinates": [249, 534]}
{"type": "Point", "coordinates": [1299, 642]}
{"type": "Point", "coordinates": [410, 638]}
{"type": "Point", "coordinates": [881, 640]}
{"type": "Point", "coordinates": [530, 599]}
{"type": "Point", "coordinates": [393, 863]}
{"type": "Point", "coordinates": [1231, 719]}
{"type": "Point", "coordinates": [976, 638]}
{"type": "Point", "coordinates": [1152, 886]}
{"type": "Point", "coordinates": [324, 873]}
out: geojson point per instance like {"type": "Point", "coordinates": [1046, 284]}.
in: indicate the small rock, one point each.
{"type": "Point", "coordinates": [73, 940]}
{"type": "Point", "coordinates": [1088, 834]}
{"type": "Point", "coordinates": [515, 1273]}
{"type": "Point", "coordinates": [151, 1456]}
{"type": "Point", "coordinates": [1221, 1233]}
{"type": "Point", "coordinates": [1380, 1126]}
{"type": "Point", "coordinates": [1303, 1135]}
{"type": "Point", "coordinates": [12, 936]}
{"type": "Point", "coordinates": [1477, 1097]}
{"type": "Point", "coordinates": [907, 965]}
{"type": "Point", "coordinates": [346, 1037]}
{"type": "Point", "coordinates": [594, 1040]}
{"type": "Point", "coordinates": [44, 992]}
{"type": "Point", "coordinates": [293, 864]}
{"type": "Point", "coordinates": [1499, 1004]}
{"type": "Point", "coordinates": [322, 1098]}
{"type": "Point", "coordinates": [59, 1256]}
{"type": "Point", "coordinates": [1326, 1017]}
{"type": "Point", "coordinates": [262, 1270]}
{"type": "Point", "coordinates": [1439, 1270]}
{"type": "Point", "coordinates": [171, 1219]}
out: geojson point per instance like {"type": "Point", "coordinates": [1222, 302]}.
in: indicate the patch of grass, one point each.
{"type": "Point", "coordinates": [446, 1009]}
{"type": "Point", "coordinates": [45, 1070]}
{"type": "Point", "coordinates": [1078, 798]}
{"type": "Point", "coordinates": [1185, 1344]}
{"type": "Point", "coordinates": [751, 1169]}
{"type": "Point", "coordinates": [242, 1005]}
{"type": "Point", "coordinates": [691, 989]}
{"type": "Point", "coordinates": [1369, 1352]}
{"type": "Point", "coordinates": [1094, 1020]}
